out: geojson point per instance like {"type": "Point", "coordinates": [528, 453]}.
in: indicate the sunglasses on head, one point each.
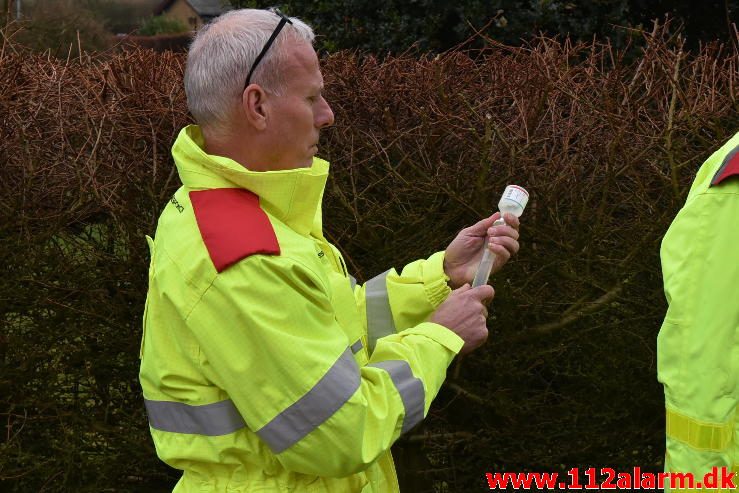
{"type": "Point", "coordinates": [283, 20]}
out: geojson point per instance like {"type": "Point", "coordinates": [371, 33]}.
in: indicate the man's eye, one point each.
{"type": "Point", "coordinates": [312, 99]}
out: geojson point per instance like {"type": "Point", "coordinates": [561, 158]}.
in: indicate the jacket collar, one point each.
{"type": "Point", "coordinates": [292, 196]}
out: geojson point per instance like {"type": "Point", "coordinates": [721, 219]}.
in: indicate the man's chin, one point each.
{"type": "Point", "coordinates": [297, 164]}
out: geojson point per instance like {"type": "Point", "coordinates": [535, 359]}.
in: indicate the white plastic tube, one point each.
{"type": "Point", "coordinates": [486, 264]}
{"type": "Point", "coordinates": [513, 201]}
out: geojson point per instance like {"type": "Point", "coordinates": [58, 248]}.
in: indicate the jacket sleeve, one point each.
{"type": "Point", "coordinates": [392, 302]}
{"type": "Point", "coordinates": [696, 346]}
{"type": "Point", "coordinates": [269, 338]}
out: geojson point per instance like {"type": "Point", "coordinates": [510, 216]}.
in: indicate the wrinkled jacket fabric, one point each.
{"type": "Point", "coordinates": [698, 343]}
{"type": "Point", "coordinates": [273, 371]}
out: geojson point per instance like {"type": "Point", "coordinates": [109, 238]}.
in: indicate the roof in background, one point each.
{"type": "Point", "coordinates": [204, 8]}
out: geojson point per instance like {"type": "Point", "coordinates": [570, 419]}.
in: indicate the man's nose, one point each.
{"type": "Point", "coordinates": [325, 117]}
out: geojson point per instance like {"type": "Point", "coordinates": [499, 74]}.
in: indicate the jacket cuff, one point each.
{"type": "Point", "coordinates": [435, 279]}
{"type": "Point", "coordinates": [440, 334]}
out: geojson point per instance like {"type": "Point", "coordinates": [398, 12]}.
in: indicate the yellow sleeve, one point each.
{"type": "Point", "coordinates": [392, 302]}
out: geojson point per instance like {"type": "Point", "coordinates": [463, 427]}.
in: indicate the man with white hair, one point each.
{"type": "Point", "coordinates": [264, 366]}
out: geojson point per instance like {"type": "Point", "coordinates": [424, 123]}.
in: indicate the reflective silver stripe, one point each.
{"type": "Point", "coordinates": [410, 389]}
{"type": "Point", "coordinates": [315, 407]}
{"type": "Point", "coordinates": [219, 418]}
{"type": "Point", "coordinates": [379, 316]}
{"type": "Point", "coordinates": [352, 282]}
{"type": "Point", "coordinates": [357, 346]}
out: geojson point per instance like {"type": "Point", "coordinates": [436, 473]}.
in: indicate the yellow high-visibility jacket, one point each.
{"type": "Point", "coordinates": [698, 344]}
{"type": "Point", "coordinates": [264, 367]}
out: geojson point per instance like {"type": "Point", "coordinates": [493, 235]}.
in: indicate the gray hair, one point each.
{"type": "Point", "coordinates": [222, 54]}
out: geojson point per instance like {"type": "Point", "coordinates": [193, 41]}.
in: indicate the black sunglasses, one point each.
{"type": "Point", "coordinates": [283, 20]}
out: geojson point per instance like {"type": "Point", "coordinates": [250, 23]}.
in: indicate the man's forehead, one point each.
{"type": "Point", "coordinates": [301, 58]}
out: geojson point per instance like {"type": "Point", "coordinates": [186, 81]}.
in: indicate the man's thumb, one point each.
{"type": "Point", "coordinates": [462, 289]}
{"type": "Point", "coordinates": [481, 227]}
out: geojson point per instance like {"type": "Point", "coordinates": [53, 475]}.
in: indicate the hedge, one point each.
{"type": "Point", "coordinates": [607, 147]}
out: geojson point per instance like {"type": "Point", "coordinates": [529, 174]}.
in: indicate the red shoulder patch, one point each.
{"type": "Point", "coordinates": [730, 167]}
{"type": "Point", "coordinates": [233, 225]}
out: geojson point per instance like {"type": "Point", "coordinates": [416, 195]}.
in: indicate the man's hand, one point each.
{"type": "Point", "coordinates": [463, 254]}
{"type": "Point", "coordinates": [464, 313]}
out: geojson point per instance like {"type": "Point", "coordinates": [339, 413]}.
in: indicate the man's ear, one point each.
{"type": "Point", "coordinates": [254, 103]}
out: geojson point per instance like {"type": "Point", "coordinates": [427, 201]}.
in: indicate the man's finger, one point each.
{"type": "Point", "coordinates": [512, 220]}
{"type": "Point", "coordinates": [483, 292]}
{"type": "Point", "coordinates": [502, 256]}
{"type": "Point", "coordinates": [503, 231]}
{"type": "Point", "coordinates": [503, 244]}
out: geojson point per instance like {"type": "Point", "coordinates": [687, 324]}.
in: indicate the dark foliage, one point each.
{"type": "Point", "coordinates": [438, 25]}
